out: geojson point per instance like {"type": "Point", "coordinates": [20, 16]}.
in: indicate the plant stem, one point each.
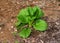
{"type": "Point", "coordinates": [29, 24]}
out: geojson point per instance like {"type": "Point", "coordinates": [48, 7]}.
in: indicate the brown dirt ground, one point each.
{"type": "Point", "coordinates": [9, 10]}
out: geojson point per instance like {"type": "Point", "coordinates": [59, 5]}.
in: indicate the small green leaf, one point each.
{"type": "Point", "coordinates": [25, 32]}
{"type": "Point", "coordinates": [40, 25]}
{"type": "Point", "coordinates": [20, 26]}
{"type": "Point", "coordinates": [38, 12]}
{"type": "Point", "coordinates": [31, 13]}
{"type": "Point", "coordinates": [17, 23]}
{"type": "Point", "coordinates": [23, 16]}
{"type": "Point", "coordinates": [35, 8]}
{"type": "Point", "coordinates": [30, 10]}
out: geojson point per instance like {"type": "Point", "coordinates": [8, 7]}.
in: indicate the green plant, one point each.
{"type": "Point", "coordinates": [28, 18]}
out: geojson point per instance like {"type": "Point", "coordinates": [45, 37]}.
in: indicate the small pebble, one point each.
{"type": "Point", "coordinates": [40, 35]}
{"type": "Point", "coordinates": [18, 3]}
{"type": "Point", "coordinates": [57, 23]}
{"type": "Point", "coordinates": [41, 41]}
{"type": "Point", "coordinates": [1, 32]}
{"type": "Point", "coordinates": [0, 28]}
{"type": "Point", "coordinates": [15, 29]}
{"type": "Point", "coordinates": [12, 20]}
{"type": "Point", "coordinates": [30, 0]}
{"type": "Point", "coordinates": [33, 2]}
{"type": "Point", "coordinates": [9, 29]}
{"type": "Point", "coordinates": [12, 26]}
{"type": "Point", "coordinates": [33, 41]}
{"type": "Point", "coordinates": [36, 2]}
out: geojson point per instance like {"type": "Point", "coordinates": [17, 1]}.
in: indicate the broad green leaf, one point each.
{"type": "Point", "coordinates": [31, 13]}
{"type": "Point", "coordinates": [17, 23]}
{"type": "Point", "coordinates": [30, 10]}
{"type": "Point", "coordinates": [40, 25]}
{"type": "Point", "coordinates": [23, 16]}
{"type": "Point", "coordinates": [25, 32]}
{"type": "Point", "coordinates": [38, 12]}
{"type": "Point", "coordinates": [19, 27]}
{"type": "Point", "coordinates": [35, 8]}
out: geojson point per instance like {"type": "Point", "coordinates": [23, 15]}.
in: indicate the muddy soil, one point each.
{"type": "Point", "coordinates": [9, 10]}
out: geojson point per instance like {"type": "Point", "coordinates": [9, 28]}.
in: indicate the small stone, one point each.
{"type": "Point", "coordinates": [36, 2]}
{"type": "Point", "coordinates": [57, 23]}
{"type": "Point", "coordinates": [30, 0]}
{"type": "Point", "coordinates": [15, 29]}
{"type": "Point", "coordinates": [12, 20]}
{"type": "Point", "coordinates": [9, 29]}
{"type": "Point", "coordinates": [33, 2]}
{"type": "Point", "coordinates": [40, 35]}
{"type": "Point", "coordinates": [18, 3]}
{"type": "Point", "coordinates": [41, 41]}
{"type": "Point", "coordinates": [0, 28]}
{"type": "Point", "coordinates": [1, 32]}
{"type": "Point", "coordinates": [12, 26]}
{"type": "Point", "coordinates": [33, 41]}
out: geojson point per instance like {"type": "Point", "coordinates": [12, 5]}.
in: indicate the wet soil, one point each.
{"type": "Point", "coordinates": [9, 10]}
